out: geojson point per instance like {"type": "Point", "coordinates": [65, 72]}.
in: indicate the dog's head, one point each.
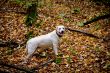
{"type": "Point", "coordinates": [60, 30]}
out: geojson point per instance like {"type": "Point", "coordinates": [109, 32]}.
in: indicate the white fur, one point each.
{"type": "Point", "coordinates": [45, 41]}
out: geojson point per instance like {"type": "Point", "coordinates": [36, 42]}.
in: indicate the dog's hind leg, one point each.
{"type": "Point", "coordinates": [30, 51]}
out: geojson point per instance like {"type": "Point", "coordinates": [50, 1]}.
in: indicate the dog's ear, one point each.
{"type": "Point", "coordinates": [56, 27]}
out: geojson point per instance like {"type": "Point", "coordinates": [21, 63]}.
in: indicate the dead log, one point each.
{"type": "Point", "coordinates": [97, 18]}
{"type": "Point", "coordinates": [85, 33]}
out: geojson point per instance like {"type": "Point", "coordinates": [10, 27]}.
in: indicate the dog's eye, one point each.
{"type": "Point", "coordinates": [59, 28]}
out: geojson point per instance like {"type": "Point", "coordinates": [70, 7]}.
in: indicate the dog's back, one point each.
{"type": "Point", "coordinates": [43, 41]}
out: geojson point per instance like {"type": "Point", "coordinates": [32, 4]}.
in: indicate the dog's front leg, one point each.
{"type": "Point", "coordinates": [55, 48]}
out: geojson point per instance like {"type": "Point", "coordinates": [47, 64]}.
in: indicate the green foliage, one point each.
{"type": "Point", "coordinates": [18, 1]}
{"type": "Point", "coordinates": [108, 53]}
{"type": "Point", "coordinates": [75, 11]}
{"type": "Point", "coordinates": [80, 24]}
{"type": "Point", "coordinates": [73, 51]}
{"type": "Point", "coordinates": [61, 15]}
{"type": "Point", "coordinates": [97, 48]}
{"type": "Point", "coordinates": [97, 26]}
{"type": "Point", "coordinates": [29, 35]}
{"type": "Point", "coordinates": [60, 54]}
{"type": "Point", "coordinates": [58, 60]}
{"type": "Point", "coordinates": [46, 3]}
{"type": "Point", "coordinates": [9, 51]}
{"type": "Point", "coordinates": [49, 5]}
{"type": "Point", "coordinates": [31, 7]}
{"type": "Point", "coordinates": [41, 3]}
{"type": "Point", "coordinates": [32, 15]}
{"type": "Point", "coordinates": [107, 66]}
{"type": "Point", "coordinates": [30, 19]}
{"type": "Point", "coordinates": [28, 4]}
{"type": "Point", "coordinates": [39, 23]}
{"type": "Point", "coordinates": [69, 59]}
{"type": "Point", "coordinates": [67, 19]}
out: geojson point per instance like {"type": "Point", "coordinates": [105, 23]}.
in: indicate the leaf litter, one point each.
{"type": "Point", "coordinates": [79, 53]}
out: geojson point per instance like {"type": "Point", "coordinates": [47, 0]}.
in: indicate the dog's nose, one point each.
{"type": "Point", "coordinates": [62, 32]}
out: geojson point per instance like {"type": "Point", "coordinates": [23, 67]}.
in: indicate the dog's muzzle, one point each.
{"type": "Point", "coordinates": [59, 35]}
{"type": "Point", "coordinates": [62, 32]}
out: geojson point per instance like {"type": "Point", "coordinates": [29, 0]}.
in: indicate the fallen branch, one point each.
{"type": "Point", "coordinates": [96, 19]}
{"type": "Point", "coordinates": [15, 67]}
{"type": "Point", "coordinates": [10, 44]}
{"type": "Point", "coordinates": [85, 33]}
{"type": "Point", "coordinates": [43, 64]}
{"type": "Point", "coordinates": [18, 67]}
{"type": "Point", "coordinates": [91, 21]}
{"type": "Point", "coordinates": [10, 10]}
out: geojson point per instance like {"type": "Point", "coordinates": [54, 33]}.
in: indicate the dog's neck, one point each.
{"type": "Point", "coordinates": [58, 34]}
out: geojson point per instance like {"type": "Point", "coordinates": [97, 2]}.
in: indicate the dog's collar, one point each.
{"type": "Point", "coordinates": [58, 34]}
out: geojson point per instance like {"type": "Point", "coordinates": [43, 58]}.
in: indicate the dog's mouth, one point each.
{"type": "Point", "coordinates": [62, 32]}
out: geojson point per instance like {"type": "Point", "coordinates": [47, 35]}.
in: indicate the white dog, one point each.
{"type": "Point", "coordinates": [45, 41]}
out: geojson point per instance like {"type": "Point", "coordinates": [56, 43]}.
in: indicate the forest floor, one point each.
{"type": "Point", "coordinates": [79, 53]}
